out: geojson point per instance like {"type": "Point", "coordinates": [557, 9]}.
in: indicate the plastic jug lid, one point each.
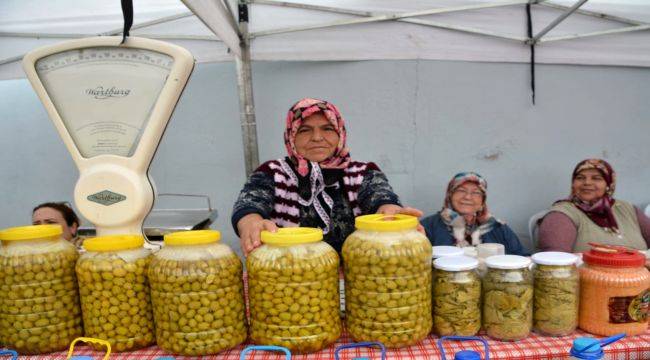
{"type": "Point", "coordinates": [507, 262]}
{"type": "Point", "coordinates": [456, 263]}
{"type": "Point", "coordinates": [583, 342]}
{"type": "Point", "coordinates": [554, 258]}
{"type": "Point", "coordinates": [467, 355]}
{"type": "Point", "coordinates": [445, 250]}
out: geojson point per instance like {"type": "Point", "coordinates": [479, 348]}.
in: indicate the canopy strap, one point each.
{"type": "Point", "coordinates": [532, 51]}
{"type": "Point", "coordinates": [127, 13]}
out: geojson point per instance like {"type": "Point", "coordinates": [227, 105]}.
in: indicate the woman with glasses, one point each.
{"type": "Point", "coordinates": [465, 220]}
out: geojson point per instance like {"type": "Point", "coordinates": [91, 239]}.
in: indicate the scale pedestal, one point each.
{"type": "Point", "coordinates": [110, 103]}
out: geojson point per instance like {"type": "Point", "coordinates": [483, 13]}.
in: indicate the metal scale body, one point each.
{"type": "Point", "coordinates": [110, 104]}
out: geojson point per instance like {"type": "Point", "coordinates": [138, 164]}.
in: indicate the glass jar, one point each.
{"type": "Point", "coordinates": [197, 294]}
{"type": "Point", "coordinates": [556, 299]}
{"type": "Point", "coordinates": [39, 306]}
{"type": "Point", "coordinates": [508, 297]}
{"type": "Point", "coordinates": [114, 291]}
{"type": "Point", "coordinates": [614, 295]}
{"type": "Point", "coordinates": [293, 289]}
{"type": "Point", "coordinates": [387, 280]}
{"type": "Point", "coordinates": [456, 296]}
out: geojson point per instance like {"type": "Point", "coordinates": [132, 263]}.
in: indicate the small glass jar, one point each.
{"type": "Point", "coordinates": [114, 290]}
{"type": "Point", "coordinates": [293, 289]}
{"type": "Point", "coordinates": [456, 296]}
{"type": "Point", "coordinates": [197, 294]}
{"type": "Point", "coordinates": [387, 280]}
{"type": "Point", "coordinates": [557, 295]}
{"type": "Point", "coordinates": [614, 295]}
{"type": "Point", "coordinates": [39, 305]}
{"type": "Point", "coordinates": [508, 297]}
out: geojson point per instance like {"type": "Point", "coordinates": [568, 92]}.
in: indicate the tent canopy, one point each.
{"type": "Point", "coordinates": [466, 30]}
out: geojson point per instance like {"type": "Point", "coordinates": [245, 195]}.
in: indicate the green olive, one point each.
{"type": "Point", "coordinates": [388, 287]}
{"type": "Point", "coordinates": [198, 299]}
{"type": "Point", "coordinates": [294, 296]}
{"type": "Point", "coordinates": [115, 298]}
{"type": "Point", "coordinates": [39, 307]}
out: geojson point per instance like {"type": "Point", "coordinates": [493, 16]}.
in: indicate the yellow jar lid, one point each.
{"type": "Point", "coordinates": [382, 222]}
{"type": "Point", "coordinates": [31, 232]}
{"type": "Point", "coordinates": [292, 236]}
{"type": "Point", "coordinates": [113, 243]}
{"type": "Point", "coordinates": [192, 237]}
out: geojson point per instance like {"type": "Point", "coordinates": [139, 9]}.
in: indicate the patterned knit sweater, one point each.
{"type": "Point", "coordinates": [276, 192]}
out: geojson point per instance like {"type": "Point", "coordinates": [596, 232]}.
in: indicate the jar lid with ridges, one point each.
{"type": "Point", "coordinates": [445, 250]}
{"type": "Point", "coordinates": [507, 262]}
{"type": "Point", "coordinates": [386, 223]}
{"type": "Point", "coordinates": [611, 255]}
{"type": "Point", "coordinates": [192, 237]}
{"type": "Point", "coordinates": [113, 243]}
{"type": "Point", "coordinates": [554, 258]}
{"type": "Point", "coordinates": [456, 263]}
{"type": "Point", "coordinates": [292, 236]}
{"type": "Point", "coordinates": [31, 232]}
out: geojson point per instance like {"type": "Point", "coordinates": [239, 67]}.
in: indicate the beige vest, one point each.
{"type": "Point", "coordinates": [588, 231]}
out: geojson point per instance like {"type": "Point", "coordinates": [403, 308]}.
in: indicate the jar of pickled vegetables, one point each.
{"type": "Point", "coordinates": [39, 303]}
{"type": "Point", "coordinates": [387, 280]}
{"type": "Point", "coordinates": [456, 296]}
{"type": "Point", "coordinates": [508, 297]}
{"type": "Point", "coordinates": [293, 289]}
{"type": "Point", "coordinates": [114, 291]}
{"type": "Point", "coordinates": [197, 294]}
{"type": "Point", "coordinates": [614, 295]}
{"type": "Point", "coordinates": [556, 299]}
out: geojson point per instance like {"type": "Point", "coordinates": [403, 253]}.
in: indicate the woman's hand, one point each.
{"type": "Point", "coordinates": [250, 227]}
{"type": "Point", "coordinates": [392, 209]}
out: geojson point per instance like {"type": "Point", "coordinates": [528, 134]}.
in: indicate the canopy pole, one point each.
{"type": "Point", "coordinates": [245, 86]}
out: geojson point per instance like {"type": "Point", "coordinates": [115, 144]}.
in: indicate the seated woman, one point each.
{"type": "Point", "coordinates": [316, 185]}
{"type": "Point", "coordinates": [61, 214]}
{"type": "Point", "coordinates": [591, 214]}
{"type": "Point", "coordinates": [465, 220]}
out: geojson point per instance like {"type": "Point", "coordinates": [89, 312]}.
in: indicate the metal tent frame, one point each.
{"type": "Point", "coordinates": [237, 37]}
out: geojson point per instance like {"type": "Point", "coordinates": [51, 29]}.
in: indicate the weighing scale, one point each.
{"type": "Point", "coordinates": [110, 103]}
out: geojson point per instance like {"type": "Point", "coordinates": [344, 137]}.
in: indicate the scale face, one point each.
{"type": "Point", "coordinates": [110, 103]}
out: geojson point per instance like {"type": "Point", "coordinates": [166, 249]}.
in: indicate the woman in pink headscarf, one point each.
{"type": "Point", "coordinates": [591, 214]}
{"type": "Point", "coordinates": [316, 185]}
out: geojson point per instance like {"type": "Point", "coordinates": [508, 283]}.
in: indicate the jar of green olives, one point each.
{"type": "Point", "coordinates": [387, 280]}
{"type": "Point", "coordinates": [293, 289]}
{"type": "Point", "coordinates": [39, 305]}
{"type": "Point", "coordinates": [456, 296]}
{"type": "Point", "coordinates": [557, 293]}
{"type": "Point", "coordinates": [114, 291]}
{"type": "Point", "coordinates": [508, 297]}
{"type": "Point", "coordinates": [197, 294]}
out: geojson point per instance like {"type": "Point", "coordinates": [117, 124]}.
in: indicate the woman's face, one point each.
{"type": "Point", "coordinates": [46, 215]}
{"type": "Point", "coordinates": [316, 139]}
{"type": "Point", "coordinates": [589, 185]}
{"type": "Point", "coordinates": [467, 199]}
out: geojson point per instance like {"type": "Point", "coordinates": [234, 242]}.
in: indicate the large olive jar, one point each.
{"type": "Point", "coordinates": [114, 291]}
{"type": "Point", "coordinates": [387, 265]}
{"type": "Point", "coordinates": [508, 297]}
{"type": "Point", "coordinates": [197, 294]}
{"type": "Point", "coordinates": [456, 296]}
{"type": "Point", "coordinates": [557, 293]}
{"type": "Point", "coordinates": [293, 290]}
{"type": "Point", "coordinates": [39, 305]}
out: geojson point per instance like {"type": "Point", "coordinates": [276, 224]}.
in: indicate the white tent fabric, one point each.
{"type": "Point", "coordinates": [27, 24]}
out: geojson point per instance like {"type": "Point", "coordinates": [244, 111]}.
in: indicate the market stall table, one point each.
{"type": "Point", "coordinates": [535, 347]}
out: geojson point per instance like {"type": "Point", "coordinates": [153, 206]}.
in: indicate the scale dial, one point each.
{"type": "Point", "coordinates": [104, 95]}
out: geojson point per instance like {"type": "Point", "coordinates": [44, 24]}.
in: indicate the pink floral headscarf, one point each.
{"type": "Point", "coordinates": [295, 117]}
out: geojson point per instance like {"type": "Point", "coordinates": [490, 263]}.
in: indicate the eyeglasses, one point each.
{"type": "Point", "coordinates": [474, 194]}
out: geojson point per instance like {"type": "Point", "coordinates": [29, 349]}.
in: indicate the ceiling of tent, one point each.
{"type": "Point", "coordinates": [27, 24]}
